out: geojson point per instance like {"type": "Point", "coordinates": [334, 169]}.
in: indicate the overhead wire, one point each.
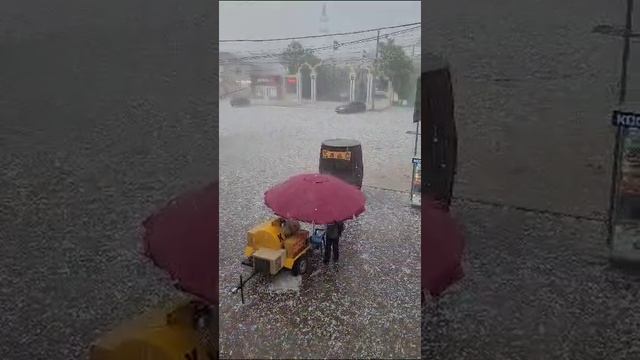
{"type": "Point", "coordinates": [317, 49]}
{"type": "Point", "coordinates": [396, 34]}
{"type": "Point", "coordinates": [400, 39]}
{"type": "Point", "coordinates": [312, 50]}
{"type": "Point", "coordinates": [320, 36]}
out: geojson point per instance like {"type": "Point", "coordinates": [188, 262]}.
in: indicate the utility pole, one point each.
{"type": "Point", "coordinates": [625, 53]}
{"type": "Point", "coordinates": [620, 132]}
{"type": "Point", "coordinates": [375, 66]}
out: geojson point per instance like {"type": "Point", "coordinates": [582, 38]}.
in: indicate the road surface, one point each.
{"type": "Point", "coordinates": [534, 92]}
{"type": "Point", "coordinates": [369, 307]}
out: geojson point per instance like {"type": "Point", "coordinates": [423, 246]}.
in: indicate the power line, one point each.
{"type": "Point", "coordinates": [314, 50]}
{"type": "Point", "coordinates": [326, 62]}
{"type": "Point", "coordinates": [400, 38]}
{"type": "Point", "coordinates": [319, 36]}
{"type": "Point", "coordinates": [327, 47]}
{"type": "Point", "coordinates": [345, 56]}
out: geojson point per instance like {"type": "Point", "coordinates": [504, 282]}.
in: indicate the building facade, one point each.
{"type": "Point", "coordinates": [268, 81]}
{"type": "Point", "coordinates": [234, 75]}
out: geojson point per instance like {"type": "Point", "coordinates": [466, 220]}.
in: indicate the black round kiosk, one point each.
{"type": "Point", "coordinates": [435, 108]}
{"type": "Point", "coordinates": [342, 158]}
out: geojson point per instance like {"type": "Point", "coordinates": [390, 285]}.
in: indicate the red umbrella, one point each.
{"type": "Point", "coordinates": [315, 198]}
{"type": "Point", "coordinates": [442, 248]}
{"type": "Point", "coordinates": [182, 239]}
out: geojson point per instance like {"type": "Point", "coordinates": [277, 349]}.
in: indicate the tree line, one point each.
{"type": "Point", "coordinates": [392, 61]}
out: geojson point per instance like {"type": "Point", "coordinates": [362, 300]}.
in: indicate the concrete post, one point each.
{"type": "Point", "coordinates": [352, 86]}
{"type": "Point", "coordinates": [299, 87]}
{"type": "Point", "coordinates": [313, 86]}
{"type": "Point", "coordinates": [369, 89]}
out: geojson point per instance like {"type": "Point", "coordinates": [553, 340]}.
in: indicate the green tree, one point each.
{"type": "Point", "coordinates": [332, 81]}
{"type": "Point", "coordinates": [398, 67]}
{"type": "Point", "coordinates": [296, 55]}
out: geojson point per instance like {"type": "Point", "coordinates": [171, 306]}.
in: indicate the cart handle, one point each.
{"type": "Point", "coordinates": [241, 286]}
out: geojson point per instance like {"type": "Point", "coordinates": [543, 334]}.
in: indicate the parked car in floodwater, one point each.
{"type": "Point", "coordinates": [352, 107]}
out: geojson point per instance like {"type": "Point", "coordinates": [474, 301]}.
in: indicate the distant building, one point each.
{"type": "Point", "coordinates": [231, 66]}
{"type": "Point", "coordinates": [234, 74]}
{"type": "Point", "coordinates": [290, 84]}
{"type": "Point", "coordinates": [268, 81]}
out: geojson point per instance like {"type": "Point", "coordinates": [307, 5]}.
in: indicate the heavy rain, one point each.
{"type": "Point", "coordinates": [109, 109]}
{"type": "Point", "coordinates": [278, 104]}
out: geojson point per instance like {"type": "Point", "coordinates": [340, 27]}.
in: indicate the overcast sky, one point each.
{"type": "Point", "coordinates": [274, 19]}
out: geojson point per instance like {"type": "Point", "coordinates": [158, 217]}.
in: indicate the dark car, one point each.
{"type": "Point", "coordinates": [240, 101]}
{"type": "Point", "coordinates": [352, 107]}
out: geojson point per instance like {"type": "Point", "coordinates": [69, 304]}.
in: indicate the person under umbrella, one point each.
{"type": "Point", "coordinates": [289, 227]}
{"type": "Point", "coordinates": [334, 231]}
{"type": "Point", "coordinates": [318, 199]}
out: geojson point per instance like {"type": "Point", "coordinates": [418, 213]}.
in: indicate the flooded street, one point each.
{"type": "Point", "coordinates": [535, 88]}
{"type": "Point", "coordinates": [368, 305]}
{"type": "Point", "coordinates": [534, 95]}
{"type": "Point", "coordinates": [99, 127]}
{"type": "Point", "coordinates": [289, 138]}
{"type": "Point", "coordinates": [109, 110]}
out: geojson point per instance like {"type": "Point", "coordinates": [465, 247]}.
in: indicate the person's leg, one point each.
{"type": "Point", "coordinates": [327, 250]}
{"type": "Point", "coordinates": [336, 250]}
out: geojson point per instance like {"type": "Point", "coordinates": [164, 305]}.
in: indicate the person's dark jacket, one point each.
{"type": "Point", "coordinates": [334, 231]}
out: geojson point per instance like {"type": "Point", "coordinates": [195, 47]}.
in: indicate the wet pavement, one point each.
{"type": "Point", "coordinates": [535, 89]}
{"type": "Point", "coordinates": [292, 136]}
{"type": "Point", "coordinates": [103, 119]}
{"type": "Point", "coordinates": [534, 92]}
{"type": "Point", "coordinates": [536, 287]}
{"type": "Point", "coordinates": [100, 126]}
{"type": "Point", "coordinates": [369, 305]}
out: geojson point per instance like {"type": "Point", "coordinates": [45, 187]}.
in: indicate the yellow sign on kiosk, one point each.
{"type": "Point", "coordinates": [339, 155]}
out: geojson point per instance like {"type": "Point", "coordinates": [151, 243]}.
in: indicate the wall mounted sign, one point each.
{"type": "Point", "coordinates": [625, 211]}
{"type": "Point", "coordinates": [626, 119]}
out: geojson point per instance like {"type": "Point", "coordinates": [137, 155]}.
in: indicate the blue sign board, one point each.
{"type": "Point", "coordinates": [625, 119]}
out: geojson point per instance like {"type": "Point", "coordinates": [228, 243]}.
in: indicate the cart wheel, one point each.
{"type": "Point", "coordinates": [301, 266]}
